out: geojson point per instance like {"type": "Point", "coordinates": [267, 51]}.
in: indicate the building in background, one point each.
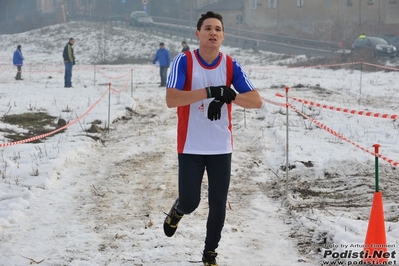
{"type": "Point", "coordinates": [324, 20]}
{"type": "Point", "coordinates": [232, 11]}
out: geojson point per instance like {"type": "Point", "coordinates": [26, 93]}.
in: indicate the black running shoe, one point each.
{"type": "Point", "coordinates": [172, 220]}
{"type": "Point", "coordinates": [209, 258]}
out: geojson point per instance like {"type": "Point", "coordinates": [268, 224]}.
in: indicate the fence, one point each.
{"type": "Point", "coordinates": [235, 37]}
{"type": "Point", "coordinates": [248, 39]}
{"type": "Point", "coordinates": [289, 104]}
{"type": "Point", "coordinates": [128, 75]}
{"type": "Point", "coordinates": [126, 81]}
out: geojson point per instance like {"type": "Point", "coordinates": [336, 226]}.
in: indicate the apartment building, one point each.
{"type": "Point", "coordinates": [329, 20]}
{"type": "Point", "coordinates": [322, 19]}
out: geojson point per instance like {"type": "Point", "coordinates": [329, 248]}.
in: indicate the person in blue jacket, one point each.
{"type": "Point", "coordinates": [163, 56]}
{"type": "Point", "coordinates": [18, 62]}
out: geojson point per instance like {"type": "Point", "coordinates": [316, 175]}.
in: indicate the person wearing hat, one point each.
{"type": "Point", "coordinates": [185, 46]}
{"type": "Point", "coordinates": [18, 59]}
{"type": "Point", "coordinates": [163, 57]}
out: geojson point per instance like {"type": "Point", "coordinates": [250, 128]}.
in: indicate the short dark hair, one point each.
{"type": "Point", "coordinates": [19, 46]}
{"type": "Point", "coordinates": [71, 39]}
{"type": "Point", "coordinates": [183, 42]}
{"type": "Point", "coordinates": [209, 14]}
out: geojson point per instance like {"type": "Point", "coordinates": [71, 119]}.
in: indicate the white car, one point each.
{"type": "Point", "coordinates": [140, 18]}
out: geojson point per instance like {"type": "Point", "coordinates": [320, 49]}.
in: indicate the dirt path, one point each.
{"type": "Point", "coordinates": [125, 200]}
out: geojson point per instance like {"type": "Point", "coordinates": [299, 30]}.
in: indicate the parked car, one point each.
{"type": "Point", "coordinates": [385, 36]}
{"type": "Point", "coordinates": [394, 40]}
{"type": "Point", "coordinates": [140, 18]}
{"type": "Point", "coordinates": [378, 47]}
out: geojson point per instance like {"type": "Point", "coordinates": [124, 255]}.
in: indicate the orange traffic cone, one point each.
{"type": "Point", "coordinates": [375, 245]}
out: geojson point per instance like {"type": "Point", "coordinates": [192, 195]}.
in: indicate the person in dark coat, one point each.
{"type": "Point", "coordinates": [69, 62]}
{"type": "Point", "coordinates": [185, 46]}
{"type": "Point", "coordinates": [163, 56]}
{"type": "Point", "coordinates": [18, 59]}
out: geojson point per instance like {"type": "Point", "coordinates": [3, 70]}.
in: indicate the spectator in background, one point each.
{"type": "Point", "coordinates": [185, 46]}
{"type": "Point", "coordinates": [362, 36]}
{"type": "Point", "coordinates": [17, 60]}
{"type": "Point", "coordinates": [69, 62]}
{"type": "Point", "coordinates": [163, 57]}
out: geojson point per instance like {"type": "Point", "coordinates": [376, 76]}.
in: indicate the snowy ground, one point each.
{"type": "Point", "coordinates": [72, 200]}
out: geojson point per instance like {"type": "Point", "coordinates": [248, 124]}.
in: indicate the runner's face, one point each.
{"type": "Point", "coordinates": [211, 33]}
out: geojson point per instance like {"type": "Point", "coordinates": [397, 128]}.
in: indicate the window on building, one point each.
{"type": "Point", "coordinates": [253, 4]}
{"type": "Point", "coordinates": [349, 2]}
{"type": "Point", "coordinates": [272, 3]}
{"type": "Point", "coordinates": [300, 3]}
{"type": "Point", "coordinates": [370, 2]}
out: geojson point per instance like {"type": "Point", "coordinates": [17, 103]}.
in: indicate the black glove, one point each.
{"type": "Point", "coordinates": [223, 93]}
{"type": "Point", "coordinates": [74, 63]}
{"type": "Point", "coordinates": [214, 109]}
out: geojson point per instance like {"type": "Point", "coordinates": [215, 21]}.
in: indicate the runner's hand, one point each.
{"type": "Point", "coordinates": [223, 93]}
{"type": "Point", "coordinates": [215, 109]}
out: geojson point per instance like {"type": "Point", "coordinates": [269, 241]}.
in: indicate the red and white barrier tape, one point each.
{"type": "Point", "coordinates": [74, 121]}
{"type": "Point", "coordinates": [58, 129]}
{"type": "Point", "coordinates": [39, 69]}
{"type": "Point", "coordinates": [42, 66]}
{"type": "Point", "coordinates": [379, 66]}
{"type": "Point", "coordinates": [341, 109]}
{"type": "Point", "coordinates": [329, 130]}
{"type": "Point", "coordinates": [274, 103]}
{"type": "Point", "coordinates": [304, 67]}
{"type": "Point", "coordinates": [123, 88]}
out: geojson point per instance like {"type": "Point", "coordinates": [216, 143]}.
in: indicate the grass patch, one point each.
{"type": "Point", "coordinates": [35, 123]}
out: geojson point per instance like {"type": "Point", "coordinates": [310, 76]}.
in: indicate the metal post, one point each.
{"type": "Point", "coordinates": [278, 15]}
{"type": "Point", "coordinates": [131, 83]}
{"type": "Point", "coordinates": [239, 36]}
{"type": "Point", "coordinates": [94, 75]}
{"type": "Point", "coordinates": [376, 150]}
{"type": "Point", "coordinates": [191, 18]}
{"type": "Point", "coordinates": [361, 76]}
{"type": "Point", "coordinates": [379, 16]}
{"type": "Point", "coordinates": [245, 118]}
{"type": "Point", "coordinates": [63, 13]}
{"type": "Point", "coordinates": [286, 140]}
{"type": "Point", "coordinates": [345, 25]}
{"type": "Point", "coordinates": [109, 106]}
{"type": "Point", "coordinates": [360, 13]}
